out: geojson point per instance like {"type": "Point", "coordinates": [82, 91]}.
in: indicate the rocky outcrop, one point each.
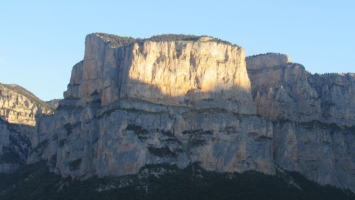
{"type": "Point", "coordinates": [177, 73]}
{"type": "Point", "coordinates": [320, 151]}
{"type": "Point", "coordinates": [267, 60]}
{"type": "Point", "coordinates": [290, 92]}
{"type": "Point", "coordinates": [53, 103]}
{"type": "Point", "coordinates": [18, 111]}
{"type": "Point", "coordinates": [313, 116]}
{"type": "Point", "coordinates": [17, 105]}
{"type": "Point", "coordinates": [14, 145]}
{"type": "Point", "coordinates": [150, 102]}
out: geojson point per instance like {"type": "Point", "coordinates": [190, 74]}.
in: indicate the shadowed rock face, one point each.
{"type": "Point", "coordinates": [322, 152]}
{"type": "Point", "coordinates": [149, 102]}
{"type": "Point", "coordinates": [18, 108]}
{"type": "Point", "coordinates": [313, 116]}
{"type": "Point", "coordinates": [288, 91]}
{"type": "Point", "coordinates": [14, 145]}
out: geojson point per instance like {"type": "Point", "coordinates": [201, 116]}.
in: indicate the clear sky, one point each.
{"type": "Point", "coordinates": [42, 40]}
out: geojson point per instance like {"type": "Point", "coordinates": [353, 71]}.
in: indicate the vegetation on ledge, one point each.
{"type": "Point", "coordinates": [118, 41]}
{"type": "Point", "coordinates": [29, 95]}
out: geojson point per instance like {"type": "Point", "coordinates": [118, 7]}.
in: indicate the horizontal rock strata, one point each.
{"type": "Point", "coordinates": [313, 117]}
{"type": "Point", "coordinates": [134, 102]}
{"type": "Point", "coordinates": [175, 102]}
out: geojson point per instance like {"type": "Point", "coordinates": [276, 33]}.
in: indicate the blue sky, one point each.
{"type": "Point", "coordinates": [41, 40]}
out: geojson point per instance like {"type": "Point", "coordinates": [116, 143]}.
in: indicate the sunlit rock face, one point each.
{"type": "Point", "coordinates": [19, 106]}
{"type": "Point", "coordinates": [313, 117]}
{"type": "Point", "coordinates": [176, 102]}
{"type": "Point", "coordinates": [193, 74]}
{"type": "Point", "coordinates": [267, 60]}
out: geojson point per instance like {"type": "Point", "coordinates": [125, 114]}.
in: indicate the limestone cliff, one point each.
{"type": "Point", "coordinates": [313, 116]}
{"type": "Point", "coordinates": [185, 99]}
{"type": "Point", "coordinates": [15, 145]}
{"type": "Point", "coordinates": [151, 102]}
{"type": "Point", "coordinates": [267, 60]}
{"type": "Point", "coordinates": [322, 152]}
{"type": "Point", "coordinates": [18, 105]}
{"type": "Point", "coordinates": [53, 103]}
{"type": "Point", "coordinates": [288, 91]}
{"type": "Point", "coordinates": [179, 73]}
{"type": "Point", "coordinates": [18, 109]}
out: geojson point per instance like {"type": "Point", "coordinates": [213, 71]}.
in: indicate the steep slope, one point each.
{"type": "Point", "coordinates": [287, 91]}
{"type": "Point", "coordinates": [14, 145]}
{"type": "Point", "coordinates": [313, 117]}
{"type": "Point", "coordinates": [53, 103]}
{"type": "Point", "coordinates": [18, 105]}
{"type": "Point", "coordinates": [18, 109]}
{"type": "Point", "coordinates": [131, 103]}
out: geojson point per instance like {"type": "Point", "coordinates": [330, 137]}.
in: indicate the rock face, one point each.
{"type": "Point", "coordinates": [132, 103]}
{"type": "Point", "coordinates": [150, 102]}
{"type": "Point", "coordinates": [320, 151]}
{"type": "Point", "coordinates": [193, 74]}
{"type": "Point", "coordinates": [313, 117]}
{"type": "Point", "coordinates": [53, 103]}
{"type": "Point", "coordinates": [14, 145]}
{"type": "Point", "coordinates": [266, 60]}
{"type": "Point", "coordinates": [288, 91]}
{"type": "Point", "coordinates": [19, 106]}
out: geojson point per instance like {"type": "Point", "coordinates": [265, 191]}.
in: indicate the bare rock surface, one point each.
{"type": "Point", "coordinates": [15, 145]}
{"type": "Point", "coordinates": [320, 151]}
{"type": "Point", "coordinates": [314, 119]}
{"type": "Point", "coordinates": [18, 111]}
{"type": "Point", "coordinates": [182, 73]}
{"type": "Point", "coordinates": [176, 102]}
{"type": "Point", "coordinates": [266, 60]}
{"type": "Point", "coordinates": [290, 92]}
{"type": "Point", "coordinates": [134, 102]}
{"type": "Point", "coordinates": [17, 105]}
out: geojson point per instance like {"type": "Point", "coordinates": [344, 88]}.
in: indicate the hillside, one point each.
{"type": "Point", "coordinates": [18, 105]}
{"type": "Point", "coordinates": [18, 111]}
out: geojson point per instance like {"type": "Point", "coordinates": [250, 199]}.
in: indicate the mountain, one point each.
{"type": "Point", "coordinates": [149, 102]}
{"type": "Point", "coordinates": [20, 106]}
{"type": "Point", "coordinates": [18, 111]}
{"type": "Point", "coordinates": [183, 101]}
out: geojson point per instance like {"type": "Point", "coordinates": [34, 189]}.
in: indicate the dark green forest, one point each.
{"type": "Point", "coordinates": [164, 182]}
